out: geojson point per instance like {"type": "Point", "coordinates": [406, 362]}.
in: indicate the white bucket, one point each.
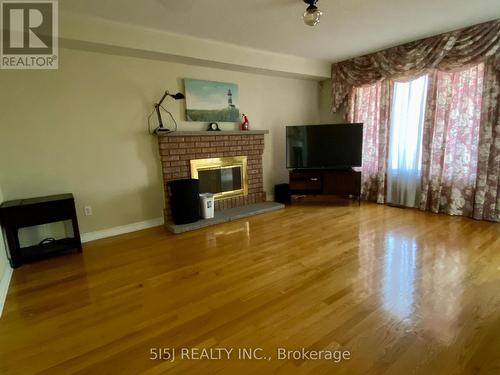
{"type": "Point", "coordinates": [207, 205]}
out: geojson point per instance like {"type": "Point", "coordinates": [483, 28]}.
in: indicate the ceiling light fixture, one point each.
{"type": "Point", "coordinates": [312, 14]}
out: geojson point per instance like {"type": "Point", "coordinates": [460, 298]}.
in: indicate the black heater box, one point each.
{"type": "Point", "coordinates": [184, 200]}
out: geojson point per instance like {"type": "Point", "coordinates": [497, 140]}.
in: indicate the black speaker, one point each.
{"type": "Point", "coordinates": [282, 193]}
{"type": "Point", "coordinates": [184, 200]}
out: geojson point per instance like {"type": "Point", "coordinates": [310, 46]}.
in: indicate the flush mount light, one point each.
{"type": "Point", "coordinates": [312, 14]}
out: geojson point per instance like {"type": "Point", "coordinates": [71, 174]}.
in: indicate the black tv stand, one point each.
{"type": "Point", "coordinates": [319, 170]}
{"type": "Point", "coordinates": [345, 182]}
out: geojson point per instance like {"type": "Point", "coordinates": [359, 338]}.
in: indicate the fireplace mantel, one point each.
{"type": "Point", "coordinates": [206, 132]}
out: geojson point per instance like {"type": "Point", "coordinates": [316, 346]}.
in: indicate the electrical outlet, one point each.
{"type": "Point", "coordinates": [88, 210]}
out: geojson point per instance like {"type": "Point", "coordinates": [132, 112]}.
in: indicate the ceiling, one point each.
{"type": "Point", "coordinates": [348, 28]}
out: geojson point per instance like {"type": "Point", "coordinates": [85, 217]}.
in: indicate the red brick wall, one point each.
{"type": "Point", "coordinates": [177, 151]}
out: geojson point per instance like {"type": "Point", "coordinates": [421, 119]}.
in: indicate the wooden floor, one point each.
{"type": "Point", "coordinates": [405, 292]}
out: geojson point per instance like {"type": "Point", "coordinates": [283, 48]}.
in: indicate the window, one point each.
{"type": "Point", "coordinates": [405, 142]}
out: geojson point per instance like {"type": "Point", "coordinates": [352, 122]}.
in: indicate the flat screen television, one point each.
{"type": "Point", "coordinates": [336, 146]}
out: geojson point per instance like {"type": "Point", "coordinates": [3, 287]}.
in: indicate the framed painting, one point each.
{"type": "Point", "coordinates": [211, 101]}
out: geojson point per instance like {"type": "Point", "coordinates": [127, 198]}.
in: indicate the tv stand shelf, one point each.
{"type": "Point", "coordinates": [325, 182]}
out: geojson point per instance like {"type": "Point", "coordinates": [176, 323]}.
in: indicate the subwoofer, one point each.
{"type": "Point", "coordinates": [184, 200]}
{"type": "Point", "coordinates": [282, 193]}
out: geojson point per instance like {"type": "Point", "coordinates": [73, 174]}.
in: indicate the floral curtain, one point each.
{"type": "Point", "coordinates": [451, 140]}
{"type": "Point", "coordinates": [487, 195]}
{"type": "Point", "coordinates": [371, 106]}
{"type": "Point", "coordinates": [461, 140]}
{"type": "Point", "coordinates": [448, 51]}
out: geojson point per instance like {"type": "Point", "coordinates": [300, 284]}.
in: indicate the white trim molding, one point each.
{"type": "Point", "coordinates": [4, 286]}
{"type": "Point", "coordinates": [122, 229]}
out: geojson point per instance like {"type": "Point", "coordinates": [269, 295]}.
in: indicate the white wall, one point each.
{"type": "Point", "coordinates": [325, 105]}
{"type": "Point", "coordinates": [83, 129]}
{"type": "Point", "coordinates": [5, 270]}
{"type": "Point", "coordinates": [4, 263]}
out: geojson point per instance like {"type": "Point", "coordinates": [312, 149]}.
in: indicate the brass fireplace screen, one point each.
{"type": "Point", "coordinates": [224, 177]}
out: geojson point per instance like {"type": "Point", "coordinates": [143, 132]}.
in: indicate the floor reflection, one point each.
{"type": "Point", "coordinates": [240, 230]}
{"type": "Point", "coordinates": [442, 281]}
{"type": "Point", "coordinates": [367, 281]}
{"type": "Point", "coordinates": [399, 274]}
{"type": "Point", "coordinates": [424, 286]}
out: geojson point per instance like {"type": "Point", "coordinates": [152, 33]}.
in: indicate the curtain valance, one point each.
{"type": "Point", "coordinates": [445, 52]}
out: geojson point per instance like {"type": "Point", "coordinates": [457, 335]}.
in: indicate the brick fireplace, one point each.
{"type": "Point", "coordinates": [178, 149]}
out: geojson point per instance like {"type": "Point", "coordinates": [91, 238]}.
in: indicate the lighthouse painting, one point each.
{"type": "Point", "coordinates": [211, 101]}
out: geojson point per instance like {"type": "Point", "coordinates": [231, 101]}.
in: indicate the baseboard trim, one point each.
{"type": "Point", "coordinates": [122, 229]}
{"type": "Point", "coordinates": [4, 287]}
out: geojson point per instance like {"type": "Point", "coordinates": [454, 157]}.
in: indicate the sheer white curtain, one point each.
{"type": "Point", "coordinates": [404, 167]}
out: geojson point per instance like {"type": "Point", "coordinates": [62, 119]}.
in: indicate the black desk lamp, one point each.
{"type": "Point", "coordinates": [160, 128]}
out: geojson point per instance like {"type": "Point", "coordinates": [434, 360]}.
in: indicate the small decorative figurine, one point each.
{"type": "Point", "coordinates": [245, 125]}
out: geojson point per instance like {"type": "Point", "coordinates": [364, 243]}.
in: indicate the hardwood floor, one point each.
{"type": "Point", "coordinates": [405, 292]}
